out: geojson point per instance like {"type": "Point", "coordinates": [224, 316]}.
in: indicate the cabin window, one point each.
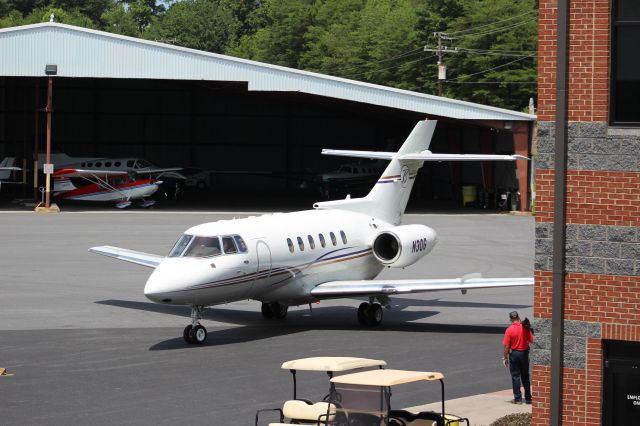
{"type": "Point", "coordinates": [99, 164]}
{"type": "Point", "coordinates": [333, 238]}
{"type": "Point", "coordinates": [83, 164]}
{"type": "Point", "coordinates": [130, 163]}
{"type": "Point", "coordinates": [344, 237]}
{"type": "Point", "coordinates": [203, 247]}
{"type": "Point", "coordinates": [228, 245]}
{"type": "Point", "coordinates": [290, 244]}
{"type": "Point", "coordinates": [300, 244]}
{"type": "Point", "coordinates": [107, 164]}
{"type": "Point", "coordinates": [117, 164]}
{"type": "Point", "coordinates": [312, 244]}
{"type": "Point", "coordinates": [323, 243]}
{"type": "Point", "coordinates": [242, 247]}
{"type": "Point", "coordinates": [182, 243]}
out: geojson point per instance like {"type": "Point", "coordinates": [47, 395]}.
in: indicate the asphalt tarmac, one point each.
{"type": "Point", "coordinates": [86, 347]}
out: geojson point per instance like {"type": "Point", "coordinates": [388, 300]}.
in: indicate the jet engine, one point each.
{"type": "Point", "coordinates": [404, 245]}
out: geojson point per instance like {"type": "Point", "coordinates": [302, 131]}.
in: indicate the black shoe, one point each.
{"type": "Point", "coordinates": [516, 401]}
{"type": "Point", "coordinates": [528, 401]}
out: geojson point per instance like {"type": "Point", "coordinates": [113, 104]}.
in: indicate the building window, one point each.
{"type": "Point", "coordinates": [625, 63]}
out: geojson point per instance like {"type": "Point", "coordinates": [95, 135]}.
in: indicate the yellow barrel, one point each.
{"type": "Point", "coordinates": [469, 194]}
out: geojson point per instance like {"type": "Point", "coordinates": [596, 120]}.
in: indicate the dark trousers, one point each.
{"type": "Point", "coordinates": [519, 368]}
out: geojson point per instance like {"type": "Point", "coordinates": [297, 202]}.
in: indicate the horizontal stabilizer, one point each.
{"type": "Point", "coordinates": [422, 156]}
{"type": "Point", "coordinates": [389, 287]}
{"type": "Point", "coordinates": [137, 257]}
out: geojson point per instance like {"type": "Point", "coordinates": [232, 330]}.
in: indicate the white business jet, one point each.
{"type": "Point", "coordinates": [287, 259]}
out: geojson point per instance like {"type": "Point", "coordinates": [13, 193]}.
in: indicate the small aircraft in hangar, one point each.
{"type": "Point", "coordinates": [116, 186]}
{"type": "Point", "coordinates": [6, 169]}
{"type": "Point", "coordinates": [333, 251]}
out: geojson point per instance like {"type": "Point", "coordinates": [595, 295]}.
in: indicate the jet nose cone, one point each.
{"type": "Point", "coordinates": [158, 287]}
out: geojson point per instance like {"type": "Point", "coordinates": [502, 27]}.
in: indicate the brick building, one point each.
{"type": "Point", "coordinates": [601, 359]}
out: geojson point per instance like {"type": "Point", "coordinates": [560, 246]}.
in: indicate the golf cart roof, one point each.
{"type": "Point", "coordinates": [331, 363]}
{"type": "Point", "coordinates": [386, 377]}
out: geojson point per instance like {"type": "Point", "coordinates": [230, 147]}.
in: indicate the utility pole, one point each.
{"type": "Point", "coordinates": [442, 68]}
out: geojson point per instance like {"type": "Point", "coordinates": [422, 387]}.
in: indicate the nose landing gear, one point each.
{"type": "Point", "coordinates": [195, 333]}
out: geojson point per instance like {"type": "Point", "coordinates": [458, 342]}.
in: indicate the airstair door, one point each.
{"type": "Point", "coordinates": [263, 272]}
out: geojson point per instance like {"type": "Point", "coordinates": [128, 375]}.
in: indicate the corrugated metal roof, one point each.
{"type": "Point", "coordinates": [81, 52]}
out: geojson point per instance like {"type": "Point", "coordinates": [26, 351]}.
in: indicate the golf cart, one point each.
{"type": "Point", "coordinates": [364, 399]}
{"type": "Point", "coordinates": [304, 411]}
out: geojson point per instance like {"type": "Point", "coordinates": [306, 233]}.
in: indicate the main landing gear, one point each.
{"type": "Point", "coordinates": [274, 310]}
{"type": "Point", "coordinates": [370, 314]}
{"type": "Point", "coordinates": [195, 333]}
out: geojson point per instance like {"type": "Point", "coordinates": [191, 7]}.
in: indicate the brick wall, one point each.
{"type": "Point", "coordinates": [588, 61]}
{"type": "Point", "coordinates": [602, 283]}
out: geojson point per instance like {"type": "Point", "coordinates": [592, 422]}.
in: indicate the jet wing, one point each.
{"type": "Point", "coordinates": [87, 173]}
{"type": "Point", "coordinates": [390, 287]}
{"type": "Point", "coordinates": [137, 257]}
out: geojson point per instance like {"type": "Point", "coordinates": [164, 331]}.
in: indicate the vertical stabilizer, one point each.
{"type": "Point", "coordinates": [388, 199]}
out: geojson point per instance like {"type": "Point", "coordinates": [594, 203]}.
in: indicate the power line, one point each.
{"type": "Point", "coordinates": [387, 68]}
{"type": "Point", "coordinates": [508, 27]}
{"type": "Point", "coordinates": [490, 69]}
{"type": "Point", "coordinates": [493, 23]}
{"type": "Point", "coordinates": [399, 56]}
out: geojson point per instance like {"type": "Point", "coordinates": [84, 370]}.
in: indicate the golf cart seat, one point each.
{"type": "Point", "coordinates": [300, 411]}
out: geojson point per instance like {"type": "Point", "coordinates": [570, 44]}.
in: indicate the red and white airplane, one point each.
{"type": "Point", "coordinates": [104, 186]}
{"type": "Point", "coordinates": [333, 251]}
{"type": "Point", "coordinates": [6, 169]}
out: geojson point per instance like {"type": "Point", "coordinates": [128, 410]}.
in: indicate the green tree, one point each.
{"type": "Point", "coordinates": [198, 24]}
{"type": "Point", "coordinates": [281, 39]}
{"type": "Point", "coordinates": [497, 63]}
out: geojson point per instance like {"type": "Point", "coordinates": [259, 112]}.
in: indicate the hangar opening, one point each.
{"type": "Point", "coordinates": [252, 131]}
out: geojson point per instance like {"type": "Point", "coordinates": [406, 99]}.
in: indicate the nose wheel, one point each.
{"type": "Point", "coordinates": [194, 333]}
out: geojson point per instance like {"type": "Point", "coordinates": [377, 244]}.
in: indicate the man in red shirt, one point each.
{"type": "Point", "coordinates": [516, 353]}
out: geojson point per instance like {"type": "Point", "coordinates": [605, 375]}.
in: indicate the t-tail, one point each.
{"type": "Point", "coordinates": [388, 199]}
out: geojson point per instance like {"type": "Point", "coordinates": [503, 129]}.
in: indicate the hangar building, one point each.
{"type": "Point", "coordinates": [116, 96]}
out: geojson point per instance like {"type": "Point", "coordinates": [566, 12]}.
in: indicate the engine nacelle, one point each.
{"type": "Point", "coordinates": [404, 245]}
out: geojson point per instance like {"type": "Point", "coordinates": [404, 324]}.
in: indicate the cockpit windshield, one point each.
{"type": "Point", "coordinates": [182, 243]}
{"type": "Point", "coordinates": [196, 246]}
{"type": "Point", "coordinates": [203, 247]}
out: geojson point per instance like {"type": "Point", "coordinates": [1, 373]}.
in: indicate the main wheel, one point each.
{"type": "Point", "coordinates": [374, 315]}
{"type": "Point", "coordinates": [362, 313]}
{"type": "Point", "coordinates": [186, 332]}
{"type": "Point", "coordinates": [267, 312]}
{"type": "Point", "coordinates": [279, 310]}
{"type": "Point", "coordinates": [198, 334]}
